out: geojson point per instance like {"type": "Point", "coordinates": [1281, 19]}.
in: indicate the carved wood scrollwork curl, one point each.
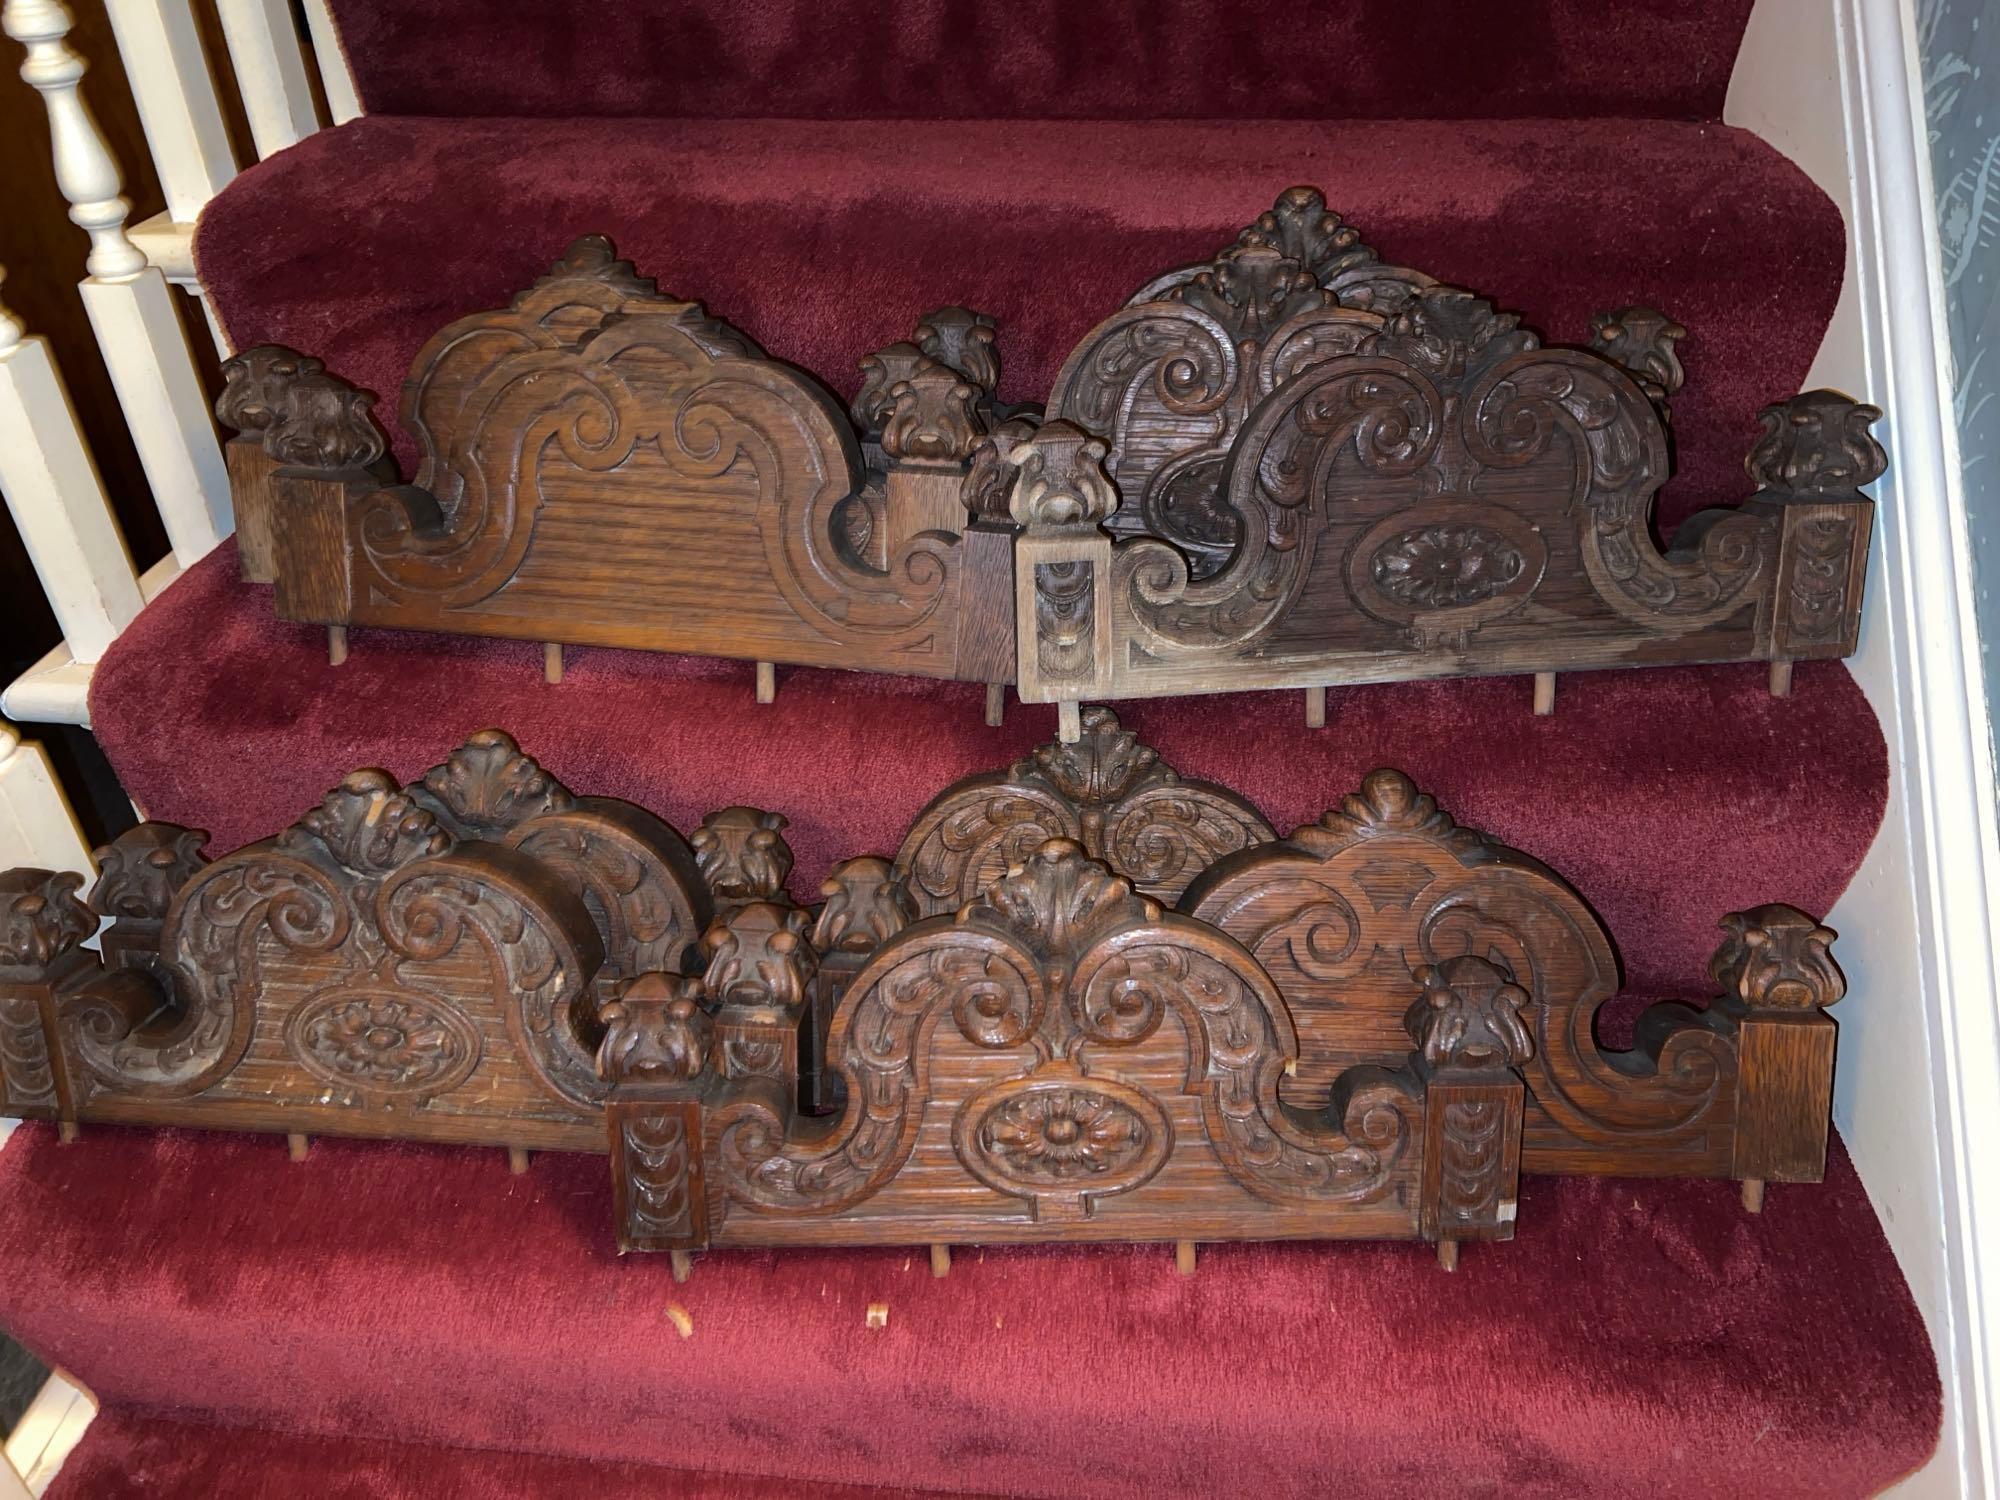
{"type": "Point", "coordinates": [1062, 966]}
{"type": "Point", "coordinates": [1107, 791]}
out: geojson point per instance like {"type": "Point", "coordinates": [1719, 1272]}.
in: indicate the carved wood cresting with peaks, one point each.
{"type": "Point", "coordinates": [423, 961]}
{"type": "Point", "coordinates": [1293, 465]}
{"type": "Point", "coordinates": [1329, 470]}
{"type": "Point", "coordinates": [604, 464]}
{"type": "Point", "coordinates": [1088, 1000]}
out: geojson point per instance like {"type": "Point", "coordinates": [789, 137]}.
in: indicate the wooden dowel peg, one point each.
{"type": "Point", "coordinates": [336, 645]}
{"type": "Point", "coordinates": [1781, 679]}
{"type": "Point", "coordinates": [66, 1131]}
{"type": "Point", "coordinates": [297, 1145]}
{"type": "Point", "coordinates": [517, 1159]}
{"type": "Point", "coordinates": [1315, 708]}
{"type": "Point", "coordinates": [1753, 1195]}
{"type": "Point", "coordinates": [1184, 1257]}
{"type": "Point", "coordinates": [767, 682]}
{"type": "Point", "coordinates": [1448, 1255]}
{"type": "Point", "coordinates": [996, 704]}
{"type": "Point", "coordinates": [683, 1263]}
{"type": "Point", "coordinates": [1545, 693]}
{"type": "Point", "coordinates": [940, 1261]}
{"type": "Point", "coordinates": [1069, 722]}
{"type": "Point", "coordinates": [551, 661]}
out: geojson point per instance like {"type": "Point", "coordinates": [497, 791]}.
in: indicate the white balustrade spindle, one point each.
{"type": "Point", "coordinates": [58, 501]}
{"type": "Point", "coordinates": [343, 101]}
{"type": "Point", "coordinates": [37, 828]}
{"type": "Point", "coordinates": [177, 99]}
{"type": "Point", "coordinates": [270, 71]}
{"type": "Point", "coordinates": [130, 306]}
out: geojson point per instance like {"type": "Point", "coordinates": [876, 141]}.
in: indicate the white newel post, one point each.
{"type": "Point", "coordinates": [58, 501]}
{"type": "Point", "coordinates": [270, 71]}
{"type": "Point", "coordinates": [130, 306]}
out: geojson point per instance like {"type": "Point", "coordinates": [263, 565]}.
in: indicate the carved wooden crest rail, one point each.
{"type": "Point", "coordinates": [1087, 1000]}
{"type": "Point", "coordinates": [1292, 466]}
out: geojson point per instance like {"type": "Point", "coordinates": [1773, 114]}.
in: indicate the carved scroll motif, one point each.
{"type": "Point", "coordinates": [995, 974]}
{"type": "Point", "coordinates": [637, 875]}
{"type": "Point", "coordinates": [1108, 792]}
{"type": "Point", "coordinates": [1387, 883]}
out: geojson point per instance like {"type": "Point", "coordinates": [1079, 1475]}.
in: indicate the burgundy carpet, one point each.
{"type": "Point", "coordinates": [825, 240]}
{"type": "Point", "coordinates": [1043, 59]}
{"type": "Point", "coordinates": [1638, 1338]}
{"type": "Point", "coordinates": [1666, 796]}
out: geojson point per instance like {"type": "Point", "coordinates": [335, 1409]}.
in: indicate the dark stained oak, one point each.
{"type": "Point", "coordinates": [1293, 465]}
{"type": "Point", "coordinates": [1088, 999]}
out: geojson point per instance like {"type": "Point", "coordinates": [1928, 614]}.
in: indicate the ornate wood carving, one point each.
{"type": "Point", "coordinates": [1332, 471]}
{"type": "Point", "coordinates": [595, 457]}
{"type": "Point", "coordinates": [743, 856]}
{"type": "Point", "coordinates": [1107, 791]}
{"type": "Point", "coordinates": [421, 961]}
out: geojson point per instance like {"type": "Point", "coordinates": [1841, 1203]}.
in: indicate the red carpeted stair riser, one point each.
{"type": "Point", "coordinates": [825, 240]}
{"type": "Point", "coordinates": [1667, 797]}
{"type": "Point", "coordinates": [1042, 59]}
{"type": "Point", "coordinates": [1637, 1338]}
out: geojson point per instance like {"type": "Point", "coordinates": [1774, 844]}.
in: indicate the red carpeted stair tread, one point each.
{"type": "Point", "coordinates": [1637, 1338]}
{"type": "Point", "coordinates": [825, 239]}
{"type": "Point", "coordinates": [1666, 796]}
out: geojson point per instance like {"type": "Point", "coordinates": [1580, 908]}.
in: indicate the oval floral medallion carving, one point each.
{"type": "Point", "coordinates": [1444, 567]}
{"type": "Point", "coordinates": [383, 1042]}
{"type": "Point", "coordinates": [1059, 1138]}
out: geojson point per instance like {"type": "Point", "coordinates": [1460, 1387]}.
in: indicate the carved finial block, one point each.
{"type": "Point", "coordinates": [369, 825]}
{"type": "Point", "coordinates": [41, 918]}
{"type": "Point", "coordinates": [1816, 447]}
{"type": "Point", "coordinates": [1469, 1016]}
{"type": "Point", "coordinates": [1640, 340]}
{"type": "Point", "coordinates": [141, 869]}
{"type": "Point", "coordinates": [306, 418]}
{"type": "Point", "coordinates": [961, 340]}
{"type": "Point", "coordinates": [759, 959]}
{"type": "Point", "coordinates": [655, 1032]}
{"type": "Point", "coordinates": [742, 854]}
{"type": "Point", "coordinates": [881, 373]}
{"type": "Point", "coordinates": [1062, 484]}
{"type": "Point", "coordinates": [489, 786]}
{"type": "Point", "coordinates": [932, 417]}
{"type": "Point", "coordinates": [1304, 229]}
{"type": "Point", "coordinates": [865, 905]}
{"type": "Point", "coordinates": [991, 481]}
{"type": "Point", "coordinates": [1777, 958]}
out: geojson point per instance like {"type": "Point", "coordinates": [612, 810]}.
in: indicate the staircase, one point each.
{"type": "Point", "coordinates": [420, 1323]}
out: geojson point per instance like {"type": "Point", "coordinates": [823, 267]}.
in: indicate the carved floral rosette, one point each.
{"type": "Point", "coordinates": [1107, 791]}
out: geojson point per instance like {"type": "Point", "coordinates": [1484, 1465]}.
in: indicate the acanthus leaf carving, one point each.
{"type": "Point", "coordinates": [1816, 446]}
{"type": "Point", "coordinates": [865, 903]}
{"type": "Point", "coordinates": [1777, 958]}
{"type": "Point", "coordinates": [1640, 341]}
{"type": "Point", "coordinates": [1448, 332]}
{"type": "Point", "coordinates": [961, 340]}
{"type": "Point", "coordinates": [592, 257]}
{"type": "Point", "coordinates": [488, 787]}
{"type": "Point", "coordinates": [41, 918]}
{"type": "Point", "coordinates": [304, 417]}
{"type": "Point", "coordinates": [932, 417]}
{"type": "Point", "coordinates": [990, 483]}
{"type": "Point", "coordinates": [369, 826]}
{"type": "Point", "coordinates": [1388, 803]}
{"type": "Point", "coordinates": [1059, 902]}
{"type": "Point", "coordinates": [656, 1032]}
{"type": "Point", "coordinates": [141, 870]}
{"type": "Point", "coordinates": [1468, 1016]}
{"type": "Point", "coordinates": [758, 959]}
{"type": "Point", "coordinates": [1061, 483]}
{"type": "Point", "coordinates": [742, 854]}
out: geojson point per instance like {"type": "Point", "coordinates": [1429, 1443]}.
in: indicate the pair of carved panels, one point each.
{"type": "Point", "coordinates": [1293, 465]}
